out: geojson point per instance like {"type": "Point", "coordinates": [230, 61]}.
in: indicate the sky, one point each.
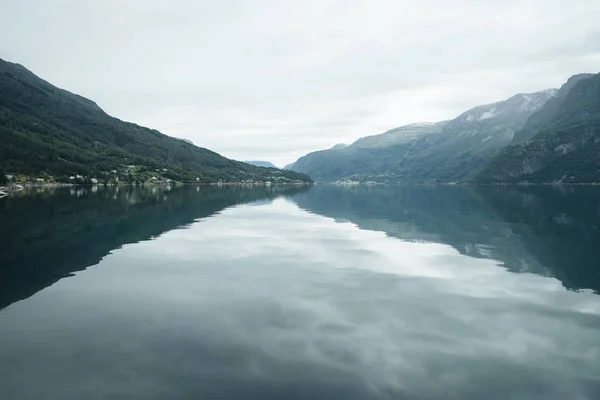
{"type": "Point", "coordinates": [274, 80]}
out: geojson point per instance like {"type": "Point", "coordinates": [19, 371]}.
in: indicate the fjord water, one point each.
{"type": "Point", "coordinates": [399, 292]}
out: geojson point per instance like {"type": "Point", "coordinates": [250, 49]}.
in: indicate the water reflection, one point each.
{"type": "Point", "coordinates": [47, 234]}
{"type": "Point", "coordinates": [269, 301]}
{"type": "Point", "coordinates": [550, 231]}
{"type": "Point", "coordinates": [559, 225]}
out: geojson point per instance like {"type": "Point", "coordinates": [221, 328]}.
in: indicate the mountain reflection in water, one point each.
{"type": "Point", "coordinates": [48, 234]}
{"type": "Point", "coordinates": [546, 230]}
{"type": "Point", "coordinates": [370, 292]}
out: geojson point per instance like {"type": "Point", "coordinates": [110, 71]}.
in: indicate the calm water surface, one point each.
{"type": "Point", "coordinates": [336, 293]}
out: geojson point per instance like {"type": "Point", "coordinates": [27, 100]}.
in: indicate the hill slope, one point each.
{"type": "Point", "coordinates": [47, 131]}
{"type": "Point", "coordinates": [445, 151]}
{"type": "Point", "coordinates": [561, 144]}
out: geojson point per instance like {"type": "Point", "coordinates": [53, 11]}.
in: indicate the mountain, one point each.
{"type": "Point", "coordinates": [537, 120]}
{"type": "Point", "coordinates": [447, 151]}
{"type": "Point", "coordinates": [559, 143]}
{"type": "Point", "coordinates": [265, 164]}
{"type": "Point", "coordinates": [369, 158]}
{"type": "Point", "coordinates": [49, 133]}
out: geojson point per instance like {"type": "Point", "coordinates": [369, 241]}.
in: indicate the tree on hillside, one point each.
{"type": "Point", "coordinates": [3, 180]}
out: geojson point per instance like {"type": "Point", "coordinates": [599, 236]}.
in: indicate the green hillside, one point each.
{"type": "Point", "coordinates": [49, 133]}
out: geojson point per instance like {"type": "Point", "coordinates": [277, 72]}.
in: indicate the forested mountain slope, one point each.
{"type": "Point", "coordinates": [50, 133]}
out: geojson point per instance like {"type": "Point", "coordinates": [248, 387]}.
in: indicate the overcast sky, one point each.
{"type": "Point", "coordinates": [274, 80]}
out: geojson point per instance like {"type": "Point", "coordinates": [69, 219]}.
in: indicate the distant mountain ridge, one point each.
{"type": "Point", "coordinates": [265, 164]}
{"type": "Point", "coordinates": [47, 133]}
{"type": "Point", "coordinates": [446, 151]}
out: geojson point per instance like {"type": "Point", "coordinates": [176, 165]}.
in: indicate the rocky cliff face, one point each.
{"type": "Point", "coordinates": [560, 143]}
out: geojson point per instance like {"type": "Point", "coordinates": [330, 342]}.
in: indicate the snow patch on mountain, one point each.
{"type": "Point", "coordinates": [529, 103]}
{"type": "Point", "coordinates": [489, 114]}
{"type": "Point", "coordinates": [340, 146]}
{"type": "Point", "coordinates": [551, 92]}
{"type": "Point", "coordinates": [422, 124]}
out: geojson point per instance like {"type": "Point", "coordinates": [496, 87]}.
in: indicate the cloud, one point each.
{"type": "Point", "coordinates": [274, 79]}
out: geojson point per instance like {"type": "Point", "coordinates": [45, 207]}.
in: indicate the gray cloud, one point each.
{"type": "Point", "coordinates": [274, 79]}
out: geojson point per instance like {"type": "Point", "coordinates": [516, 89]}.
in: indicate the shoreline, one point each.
{"type": "Point", "coordinates": [558, 184]}
{"type": "Point", "coordinates": [16, 187]}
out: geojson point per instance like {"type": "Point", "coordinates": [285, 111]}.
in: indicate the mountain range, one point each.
{"type": "Point", "coordinates": [547, 136]}
{"type": "Point", "coordinates": [50, 134]}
